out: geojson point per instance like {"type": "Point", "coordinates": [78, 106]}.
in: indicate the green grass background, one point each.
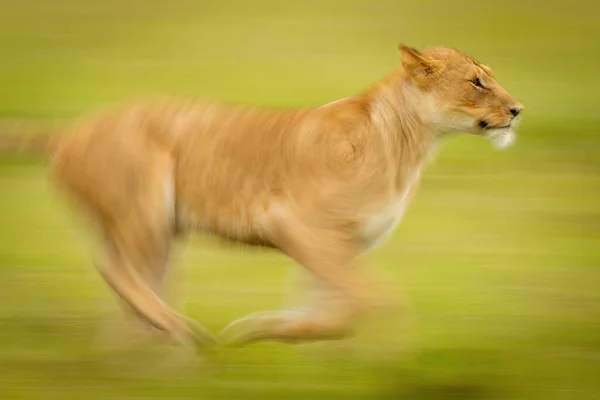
{"type": "Point", "coordinates": [499, 253]}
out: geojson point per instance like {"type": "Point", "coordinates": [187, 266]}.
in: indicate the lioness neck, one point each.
{"type": "Point", "coordinates": [402, 117]}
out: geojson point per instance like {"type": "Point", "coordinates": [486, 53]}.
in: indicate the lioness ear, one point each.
{"type": "Point", "coordinates": [419, 68]}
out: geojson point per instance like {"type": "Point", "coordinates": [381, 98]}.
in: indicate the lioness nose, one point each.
{"type": "Point", "coordinates": [515, 111]}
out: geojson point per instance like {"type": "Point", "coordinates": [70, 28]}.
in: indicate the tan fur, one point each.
{"type": "Point", "coordinates": [322, 185]}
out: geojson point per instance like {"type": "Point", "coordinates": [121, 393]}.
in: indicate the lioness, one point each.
{"type": "Point", "coordinates": [322, 185]}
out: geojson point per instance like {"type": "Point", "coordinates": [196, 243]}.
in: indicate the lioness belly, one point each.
{"type": "Point", "coordinates": [234, 219]}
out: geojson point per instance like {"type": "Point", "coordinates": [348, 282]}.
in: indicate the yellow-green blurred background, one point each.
{"type": "Point", "coordinates": [499, 253]}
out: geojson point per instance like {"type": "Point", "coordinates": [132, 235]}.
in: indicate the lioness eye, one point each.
{"type": "Point", "coordinates": [477, 82]}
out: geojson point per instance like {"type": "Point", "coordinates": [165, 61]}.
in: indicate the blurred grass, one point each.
{"type": "Point", "coordinates": [499, 253]}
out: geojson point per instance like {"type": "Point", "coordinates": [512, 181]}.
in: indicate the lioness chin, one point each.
{"type": "Point", "coordinates": [322, 185]}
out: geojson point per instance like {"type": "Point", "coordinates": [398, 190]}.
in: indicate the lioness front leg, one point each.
{"type": "Point", "coordinates": [322, 315]}
{"type": "Point", "coordinates": [341, 293]}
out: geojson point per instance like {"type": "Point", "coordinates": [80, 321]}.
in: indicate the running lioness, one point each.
{"type": "Point", "coordinates": [322, 185]}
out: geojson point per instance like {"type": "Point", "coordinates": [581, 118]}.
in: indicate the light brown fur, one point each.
{"type": "Point", "coordinates": [322, 185]}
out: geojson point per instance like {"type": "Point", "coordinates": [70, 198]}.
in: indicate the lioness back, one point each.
{"type": "Point", "coordinates": [224, 168]}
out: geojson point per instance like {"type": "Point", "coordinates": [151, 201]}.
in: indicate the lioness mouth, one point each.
{"type": "Point", "coordinates": [484, 125]}
{"type": "Point", "coordinates": [498, 127]}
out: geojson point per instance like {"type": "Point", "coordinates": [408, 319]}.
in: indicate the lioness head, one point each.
{"type": "Point", "coordinates": [465, 95]}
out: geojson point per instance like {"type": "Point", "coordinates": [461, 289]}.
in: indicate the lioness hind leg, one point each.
{"type": "Point", "coordinates": [152, 263]}
{"type": "Point", "coordinates": [129, 327]}
{"type": "Point", "coordinates": [134, 245]}
{"type": "Point", "coordinates": [135, 219]}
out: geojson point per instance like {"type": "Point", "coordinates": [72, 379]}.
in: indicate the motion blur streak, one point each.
{"type": "Point", "coordinates": [498, 254]}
